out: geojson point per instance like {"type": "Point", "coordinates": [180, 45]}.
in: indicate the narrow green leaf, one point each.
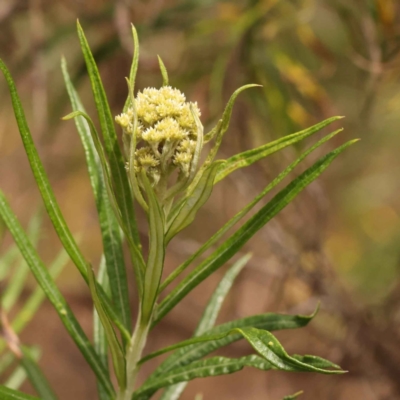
{"type": "Point", "coordinates": [268, 346]}
{"type": "Point", "coordinates": [164, 72]}
{"type": "Point", "coordinates": [114, 155]}
{"type": "Point", "coordinates": [219, 130]}
{"type": "Point", "coordinates": [155, 260]}
{"type": "Point", "coordinates": [134, 66]}
{"type": "Point", "coordinates": [36, 376]}
{"type": "Point", "coordinates": [17, 282]}
{"type": "Point", "coordinates": [47, 193]}
{"type": "Point", "coordinates": [115, 347]}
{"type": "Point", "coordinates": [186, 211]}
{"type": "Point", "coordinates": [293, 396]}
{"type": "Point", "coordinates": [214, 305]}
{"type": "Point", "coordinates": [6, 261]}
{"type": "Point", "coordinates": [232, 245]}
{"type": "Point", "coordinates": [9, 394]}
{"type": "Point", "coordinates": [5, 361]}
{"type": "Point", "coordinates": [28, 310]}
{"type": "Point", "coordinates": [47, 284]}
{"type": "Point", "coordinates": [99, 336]}
{"type": "Point", "coordinates": [249, 157]}
{"type": "Point", "coordinates": [112, 242]}
{"type": "Point", "coordinates": [209, 316]}
{"type": "Point", "coordinates": [316, 361]}
{"type": "Point", "coordinates": [268, 321]}
{"type": "Point", "coordinates": [210, 242]}
{"type": "Point", "coordinates": [214, 366]}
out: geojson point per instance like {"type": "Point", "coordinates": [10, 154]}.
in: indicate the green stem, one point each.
{"type": "Point", "coordinates": [134, 354]}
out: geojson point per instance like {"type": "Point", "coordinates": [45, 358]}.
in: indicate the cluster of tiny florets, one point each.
{"type": "Point", "coordinates": [166, 131]}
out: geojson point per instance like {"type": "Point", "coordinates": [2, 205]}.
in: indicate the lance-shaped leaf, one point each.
{"type": "Point", "coordinates": [47, 284]}
{"type": "Point", "coordinates": [17, 283]}
{"type": "Point", "coordinates": [243, 212]}
{"type": "Point", "coordinates": [185, 212]}
{"type": "Point", "coordinates": [49, 199]}
{"type": "Point", "coordinates": [36, 376]}
{"type": "Point", "coordinates": [10, 394]}
{"type": "Point", "coordinates": [223, 124]}
{"type": "Point", "coordinates": [155, 260]}
{"type": "Point", "coordinates": [134, 66]}
{"type": "Point", "coordinates": [110, 232]}
{"type": "Point", "coordinates": [268, 346]}
{"type": "Point", "coordinates": [164, 72]}
{"type": "Point", "coordinates": [116, 352]}
{"type": "Point", "coordinates": [214, 305]}
{"type": "Point", "coordinates": [99, 335]}
{"type": "Point", "coordinates": [249, 157]}
{"type": "Point", "coordinates": [268, 321]}
{"type": "Point", "coordinates": [293, 396]}
{"type": "Point", "coordinates": [209, 316]}
{"type": "Point", "coordinates": [214, 366]}
{"type": "Point", "coordinates": [137, 258]}
{"type": "Point", "coordinates": [232, 245]}
{"type": "Point", "coordinates": [114, 155]}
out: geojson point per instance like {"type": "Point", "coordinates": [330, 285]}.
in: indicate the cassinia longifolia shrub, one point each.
{"type": "Point", "coordinates": [162, 164]}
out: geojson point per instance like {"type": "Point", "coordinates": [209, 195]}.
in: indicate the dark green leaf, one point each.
{"type": "Point", "coordinates": [115, 347]}
{"type": "Point", "coordinates": [209, 316]}
{"type": "Point", "coordinates": [210, 242]}
{"type": "Point", "coordinates": [114, 155]}
{"type": "Point", "coordinates": [110, 232]}
{"type": "Point", "coordinates": [232, 245]}
{"type": "Point", "coordinates": [47, 284]}
{"type": "Point", "coordinates": [249, 157]}
{"type": "Point", "coordinates": [268, 346]}
{"type": "Point", "coordinates": [202, 369]}
{"type": "Point", "coordinates": [268, 321]}
{"type": "Point", "coordinates": [47, 193]}
{"type": "Point", "coordinates": [9, 394]}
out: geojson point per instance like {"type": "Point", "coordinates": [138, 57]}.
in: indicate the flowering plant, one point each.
{"type": "Point", "coordinates": [161, 168]}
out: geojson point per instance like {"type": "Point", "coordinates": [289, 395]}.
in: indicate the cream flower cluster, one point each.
{"type": "Point", "coordinates": [166, 132]}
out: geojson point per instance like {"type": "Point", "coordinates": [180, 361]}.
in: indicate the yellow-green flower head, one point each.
{"type": "Point", "coordinates": [166, 131]}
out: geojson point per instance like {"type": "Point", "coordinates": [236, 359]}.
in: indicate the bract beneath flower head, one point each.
{"type": "Point", "coordinates": [166, 131]}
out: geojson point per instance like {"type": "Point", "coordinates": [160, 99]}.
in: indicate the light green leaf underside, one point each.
{"type": "Point", "coordinates": [185, 213]}
{"type": "Point", "coordinates": [155, 260]}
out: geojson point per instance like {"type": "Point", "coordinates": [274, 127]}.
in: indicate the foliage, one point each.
{"type": "Point", "coordinates": [160, 166]}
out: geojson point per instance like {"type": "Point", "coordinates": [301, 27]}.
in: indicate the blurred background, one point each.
{"type": "Point", "coordinates": [338, 243]}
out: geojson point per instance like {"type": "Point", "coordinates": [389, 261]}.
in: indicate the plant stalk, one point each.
{"type": "Point", "coordinates": [134, 353]}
